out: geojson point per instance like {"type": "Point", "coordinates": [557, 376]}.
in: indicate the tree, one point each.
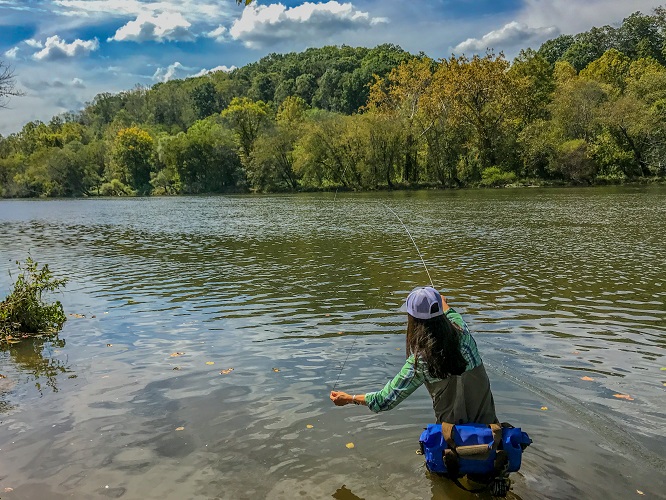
{"type": "Point", "coordinates": [612, 68]}
{"type": "Point", "coordinates": [483, 97]}
{"type": "Point", "coordinates": [407, 96]}
{"type": "Point", "coordinates": [246, 118]}
{"type": "Point", "coordinates": [133, 158]}
{"type": "Point", "coordinates": [204, 97]}
{"type": "Point", "coordinates": [7, 84]}
{"type": "Point", "coordinates": [538, 83]}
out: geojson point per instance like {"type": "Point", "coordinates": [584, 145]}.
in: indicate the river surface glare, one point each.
{"type": "Point", "coordinates": [130, 402]}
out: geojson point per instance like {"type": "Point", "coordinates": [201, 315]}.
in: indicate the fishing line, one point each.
{"type": "Point", "coordinates": [414, 242]}
{"type": "Point", "coordinates": [422, 261]}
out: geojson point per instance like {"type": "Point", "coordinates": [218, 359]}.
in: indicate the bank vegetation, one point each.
{"type": "Point", "coordinates": [583, 109]}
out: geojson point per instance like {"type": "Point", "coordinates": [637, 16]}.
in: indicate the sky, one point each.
{"type": "Point", "coordinates": [64, 52]}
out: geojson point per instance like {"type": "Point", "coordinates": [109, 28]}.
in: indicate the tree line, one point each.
{"type": "Point", "coordinates": [589, 108]}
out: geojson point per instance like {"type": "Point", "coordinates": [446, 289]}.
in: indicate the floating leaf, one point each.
{"type": "Point", "coordinates": [210, 362]}
{"type": "Point", "coordinates": [73, 315]}
{"type": "Point", "coordinates": [176, 354]}
{"type": "Point", "coordinates": [575, 352]}
{"type": "Point", "coordinates": [544, 408]}
{"type": "Point", "coordinates": [640, 492]}
{"type": "Point", "coordinates": [176, 367]}
{"type": "Point", "coordinates": [73, 376]}
{"type": "Point", "coordinates": [586, 378]}
{"type": "Point", "coordinates": [93, 316]}
{"type": "Point", "coordinates": [276, 370]}
{"type": "Point", "coordinates": [350, 445]}
{"type": "Point", "coordinates": [227, 371]}
{"type": "Point", "coordinates": [623, 396]}
{"type": "Point", "coordinates": [8, 490]}
{"type": "Point", "coordinates": [2, 376]}
{"type": "Point", "coordinates": [340, 333]}
{"type": "Point", "coordinates": [663, 368]}
{"type": "Point", "coordinates": [180, 428]}
{"type": "Point", "coordinates": [109, 345]}
{"type": "Point", "coordinates": [309, 426]}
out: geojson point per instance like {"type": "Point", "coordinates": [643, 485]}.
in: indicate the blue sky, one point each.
{"type": "Point", "coordinates": [64, 52]}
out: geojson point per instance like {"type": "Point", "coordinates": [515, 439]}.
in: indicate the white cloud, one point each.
{"type": "Point", "coordinates": [12, 53]}
{"type": "Point", "coordinates": [199, 10]}
{"type": "Point", "coordinates": [171, 72]}
{"type": "Point", "coordinates": [213, 70]}
{"type": "Point", "coordinates": [575, 17]}
{"type": "Point", "coordinates": [170, 26]}
{"type": "Point", "coordinates": [35, 44]}
{"type": "Point", "coordinates": [217, 34]}
{"type": "Point", "coordinates": [264, 25]}
{"type": "Point", "coordinates": [41, 85]}
{"type": "Point", "coordinates": [56, 48]}
{"type": "Point", "coordinates": [509, 36]}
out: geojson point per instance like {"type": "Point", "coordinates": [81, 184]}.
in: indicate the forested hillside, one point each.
{"type": "Point", "coordinates": [580, 109]}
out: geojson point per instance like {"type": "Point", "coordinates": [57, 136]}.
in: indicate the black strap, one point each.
{"type": "Point", "coordinates": [471, 490]}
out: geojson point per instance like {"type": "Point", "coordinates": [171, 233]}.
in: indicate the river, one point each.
{"type": "Point", "coordinates": [136, 398]}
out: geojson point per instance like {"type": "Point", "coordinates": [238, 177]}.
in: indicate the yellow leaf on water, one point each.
{"type": "Point", "coordinates": [640, 492]}
{"type": "Point", "coordinates": [109, 345]}
{"type": "Point", "coordinates": [623, 396]}
{"type": "Point", "coordinates": [276, 370]}
{"type": "Point", "coordinates": [663, 368]}
{"type": "Point", "coordinates": [180, 428]}
{"type": "Point", "coordinates": [227, 371]}
{"type": "Point", "coordinates": [350, 445]}
{"type": "Point", "coordinates": [544, 408]}
{"type": "Point", "coordinates": [309, 426]}
{"type": "Point", "coordinates": [589, 379]}
{"type": "Point", "coordinates": [575, 352]}
{"type": "Point", "coordinates": [9, 490]}
{"type": "Point", "coordinates": [176, 354]}
{"type": "Point", "coordinates": [210, 362]}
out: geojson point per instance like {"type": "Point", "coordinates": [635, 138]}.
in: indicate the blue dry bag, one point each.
{"type": "Point", "coordinates": [478, 450]}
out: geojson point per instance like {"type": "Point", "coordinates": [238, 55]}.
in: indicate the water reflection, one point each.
{"type": "Point", "coordinates": [34, 358]}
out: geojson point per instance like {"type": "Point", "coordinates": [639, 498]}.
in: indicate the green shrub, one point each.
{"type": "Point", "coordinates": [495, 176]}
{"type": "Point", "coordinates": [115, 188]}
{"type": "Point", "coordinates": [24, 313]}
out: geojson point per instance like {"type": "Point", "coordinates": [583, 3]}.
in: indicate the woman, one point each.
{"type": "Point", "coordinates": [442, 355]}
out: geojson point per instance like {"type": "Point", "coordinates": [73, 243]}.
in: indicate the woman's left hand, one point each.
{"type": "Point", "coordinates": [340, 398]}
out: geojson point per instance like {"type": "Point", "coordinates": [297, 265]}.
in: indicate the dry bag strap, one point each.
{"type": "Point", "coordinates": [497, 435]}
{"type": "Point", "coordinates": [447, 433]}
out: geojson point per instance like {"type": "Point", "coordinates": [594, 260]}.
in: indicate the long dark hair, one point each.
{"type": "Point", "coordinates": [436, 342]}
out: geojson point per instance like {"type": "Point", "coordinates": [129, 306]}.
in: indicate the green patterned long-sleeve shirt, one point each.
{"type": "Point", "coordinates": [413, 374]}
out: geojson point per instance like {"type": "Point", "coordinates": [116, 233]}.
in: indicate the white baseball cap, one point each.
{"type": "Point", "coordinates": [424, 303]}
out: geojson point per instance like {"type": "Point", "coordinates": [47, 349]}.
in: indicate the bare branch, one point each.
{"type": "Point", "coordinates": [7, 84]}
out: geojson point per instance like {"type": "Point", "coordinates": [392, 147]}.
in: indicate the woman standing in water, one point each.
{"type": "Point", "coordinates": [442, 355]}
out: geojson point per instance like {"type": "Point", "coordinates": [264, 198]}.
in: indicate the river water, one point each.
{"type": "Point", "coordinates": [166, 295]}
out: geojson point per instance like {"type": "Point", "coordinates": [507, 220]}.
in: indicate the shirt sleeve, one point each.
{"type": "Point", "coordinates": [394, 392]}
{"type": "Point", "coordinates": [454, 317]}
